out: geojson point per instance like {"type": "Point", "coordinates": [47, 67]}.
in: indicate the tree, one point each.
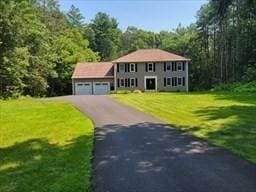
{"type": "Point", "coordinates": [75, 18]}
{"type": "Point", "coordinates": [107, 36]}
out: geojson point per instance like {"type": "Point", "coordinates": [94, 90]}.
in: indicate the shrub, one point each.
{"type": "Point", "coordinates": [137, 91]}
{"type": "Point", "coordinates": [237, 87]}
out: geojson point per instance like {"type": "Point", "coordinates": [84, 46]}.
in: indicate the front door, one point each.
{"type": "Point", "coordinates": [150, 83]}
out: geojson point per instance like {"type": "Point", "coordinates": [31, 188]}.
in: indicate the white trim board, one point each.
{"type": "Point", "coordinates": [150, 77]}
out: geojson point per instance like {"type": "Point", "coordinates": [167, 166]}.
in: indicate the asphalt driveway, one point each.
{"type": "Point", "coordinates": [135, 152]}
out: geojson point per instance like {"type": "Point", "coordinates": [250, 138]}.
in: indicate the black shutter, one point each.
{"type": "Point", "coordinates": [154, 67]}
{"type": "Point", "coordinates": [165, 82]}
{"type": "Point", "coordinates": [183, 66]}
{"type": "Point", "coordinates": [136, 83]}
{"type": "Point", "coordinates": [136, 67]}
{"type": "Point", "coordinates": [164, 66]}
{"type": "Point", "coordinates": [117, 66]}
{"type": "Point", "coordinates": [128, 67]}
{"type": "Point", "coordinates": [128, 82]}
{"type": "Point", "coordinates": [118, 82]}
{"type": "Point", "coordinates": [183, 81]}
{"type": "Point", "coordinates": [146, 67]}
{"type": "Point", "coordinates": [125, 82]}
{"type": "Point", "coordinates": [172, 66]}
{"type": "Point", "coordinates": [125, 67]}
{"type": "Point", "coordinates": [175, 65]}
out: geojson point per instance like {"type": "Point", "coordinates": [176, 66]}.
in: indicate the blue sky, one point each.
{"type": "Point", "coordinates": [154, 15]}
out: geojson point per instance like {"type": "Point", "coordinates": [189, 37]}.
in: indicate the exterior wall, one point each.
{"type": "Point", "coordinates": [110, 80]}
{"type": "Point", "coordinates": [159, 72]}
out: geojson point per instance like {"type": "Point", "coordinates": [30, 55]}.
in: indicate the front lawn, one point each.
{"type": "Point", "coordinates": [225, 119]}
{"type": "Point", "coordinates": [45, 146]}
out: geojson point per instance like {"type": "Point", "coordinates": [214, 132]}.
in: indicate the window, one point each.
{"type": "Point", "coordinates": [183, 81]}
{"type": "Point", "coordinates": [168, 81]}
{"type": "Point", "coordinates": [174, 81]}
{"type": "Point", "coordinates": [121, 82]}
{"type": "Point", "coordinates": [179, 80]}
{"type": "Point", "coordinates": [168, 66]}
{"type": "Point", "coordinates": [132, 67]}
{"type": "Point", "coordinates": [80, 84]}
{"type": "Point", "coordinates": [132, 82]}
{"type": "Point", "coordinates": [179, 66]}
{"type": "Point", "coordinates": [150, 67]}
{"type": "Point", "coordinates": [174, 66]}
{"type": "Point", "coordinates": [121, 67]}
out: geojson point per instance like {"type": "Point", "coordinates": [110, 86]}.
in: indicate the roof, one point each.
{"type": "Point", "coordinates": [94, 70]}
{"type": "Point", "coordinates": [146, 55]}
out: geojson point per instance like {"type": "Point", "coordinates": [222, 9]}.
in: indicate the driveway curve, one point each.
{"type": "Point", "coordinates": [135, 152]}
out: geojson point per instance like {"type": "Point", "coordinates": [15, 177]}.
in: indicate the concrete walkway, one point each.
{"type": "Point", "coordinates": [135, 152]}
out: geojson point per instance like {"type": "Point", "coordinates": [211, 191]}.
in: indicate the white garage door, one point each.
{"type": "Point", "coordinates": [101, 88]}
{"type": "Point", "coordinates": [83, 88]}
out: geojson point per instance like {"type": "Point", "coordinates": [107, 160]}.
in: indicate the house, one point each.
{"type": "Point", "coordinates": [145, 69]}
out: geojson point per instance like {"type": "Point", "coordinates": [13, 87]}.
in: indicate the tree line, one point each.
{"type": "Point", "coordinates": [40, 44]}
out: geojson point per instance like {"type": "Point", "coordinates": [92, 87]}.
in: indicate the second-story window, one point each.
{"type": "Point", "coordinates": [121, 67]}
{"type": "Point", "coordinates": [168, 66]}
{"type": "Point", "coordinates": [132, 67]}
{"type": "Point", "coordinates": [150, 67]}
{"type": "Point", "coordinates": [179, 66]}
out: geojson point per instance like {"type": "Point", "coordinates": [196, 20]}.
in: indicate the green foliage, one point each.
{"type": "Point", "coordinates": [39, 48]}
{"type": "Point", "coordinates": [107, 36]}
{"type": "Point", "coordinates": [44, 146]}
{"type": "Point", "coordinates": [75, 18]}
{"type": "Point", "coordinates": [237, 87]}
{"type": "Point", "coordinates": [225, 119]}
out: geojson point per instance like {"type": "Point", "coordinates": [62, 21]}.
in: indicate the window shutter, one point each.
{"type": "Point", "coordinates": [164, 66]}
{"type": "Point", "coordinates": [172, 66]}
{"type": "Point", "coordinates": [154, 67]}
{"type": "Point", "coordinates": [146, 67]}
{"type": "Point", "coordinates": [117, 67]}
{"type": "Point", "coordinates": [175, 66]}
{"type": "Point", "coordinates": [165, 82]}
{"type": "Point", "coordinates": [183, 81]}
{"type": "Point", "coordinates": [136, 82]}
{"type": "Point", "coordinates": [136, 67]}
{"type": "Point", "coordinates": [125, 67]}
{"type": "Point", "coordinates": [128, 67]}
{"type": "Point", "coordinates": [183, 66]}
{"type": "Point", "coordinates": [125, 82]}
{"type": "Point", "coordinates": [128, 82]}
{"type": "Point", "coordinates": [118, 82]}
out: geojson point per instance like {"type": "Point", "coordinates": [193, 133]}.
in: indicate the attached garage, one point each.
{"type": "Point", "coordinates": [93, 78]}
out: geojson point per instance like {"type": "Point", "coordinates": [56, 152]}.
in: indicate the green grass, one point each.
{"type": "Point", "coordinates": [225, 119]}
{"type": "Point", "coordinates": [45, 146]}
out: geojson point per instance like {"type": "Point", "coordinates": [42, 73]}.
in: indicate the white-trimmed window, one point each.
{"type": "Point", "coordinates": [179, 81]}
{"type": "Point", "coordinates": [121, 67]}
{"type": "Point", "coordinates": [168, 81]}
{"type": "Point", "coordinates": [150, 67]}
{"type": "Point", "coordinates": [168, 66]}
{"type": "Point", "coordinates": [121, 82]}
{"type": "Point", "coordinates": [132, 67]}
{"type": "Point", "coordinates": [132, 82]}
{"type": "Point", "coordinates": [179, 66]}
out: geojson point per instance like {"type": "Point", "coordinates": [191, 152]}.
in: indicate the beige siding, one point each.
{"type": "Point", "coordinates": [159, 72]}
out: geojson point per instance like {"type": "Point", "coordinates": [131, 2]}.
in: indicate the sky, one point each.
{"type": "Point", "coordinates": [153, 15]}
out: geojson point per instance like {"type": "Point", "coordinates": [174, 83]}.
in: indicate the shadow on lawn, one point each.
{"type": "Point", "coordinates": [36, 165]}
{"type": "Point", "coordinates": [149, 157]}
{"type": "Point", "coordinates": [238, 135]}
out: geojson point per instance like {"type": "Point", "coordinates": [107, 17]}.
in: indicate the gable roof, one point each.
{"type": "Point", "coordinates": [94, 70]}
{"type": "Point", "coordinates": [147, 55]}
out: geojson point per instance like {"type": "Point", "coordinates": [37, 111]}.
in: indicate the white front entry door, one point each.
{"type": "Point", "coordinates": [83, 88]}
{"type": "Point", "coordinates": [101, 88]}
